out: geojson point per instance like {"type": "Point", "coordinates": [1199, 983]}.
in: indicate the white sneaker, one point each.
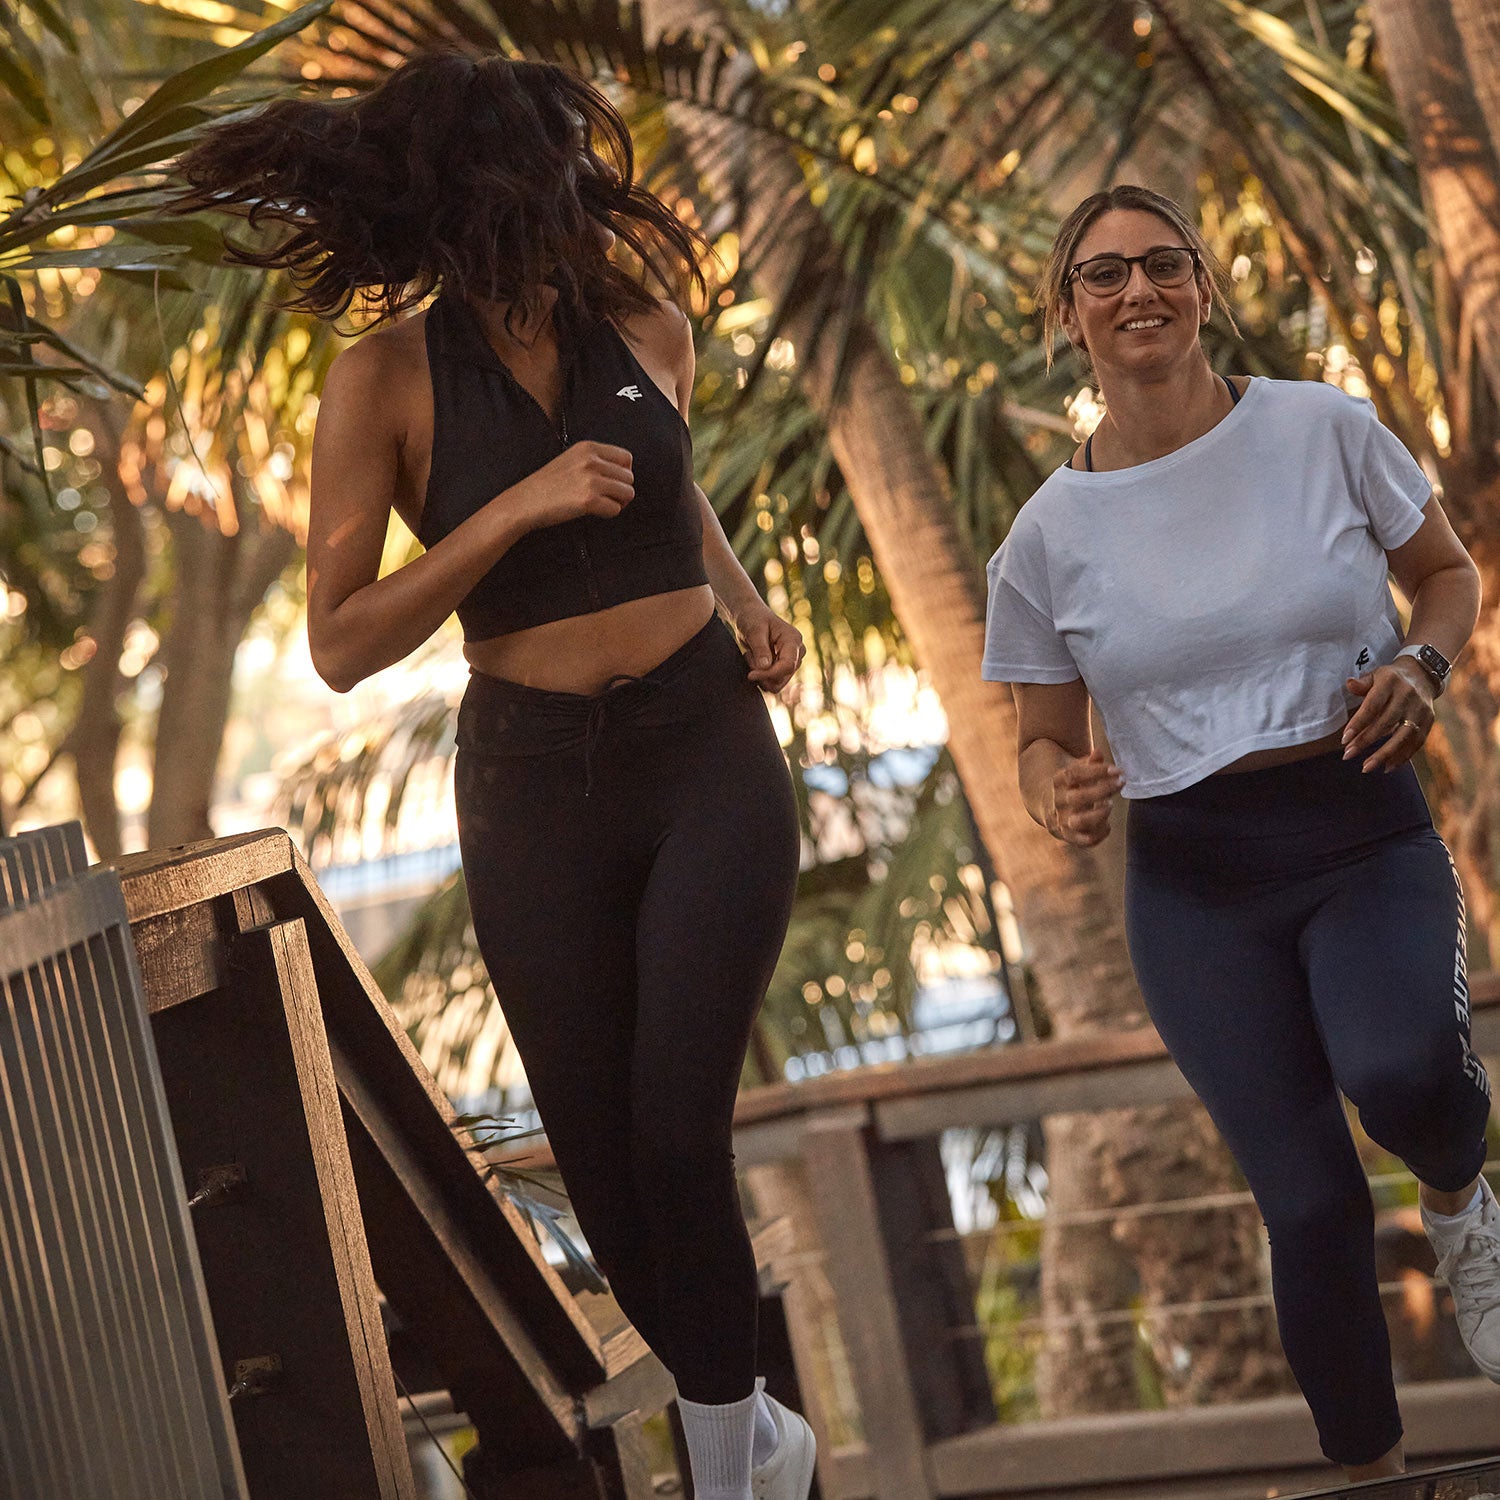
{"type": "Point", "coordinates": [1469, 1261]}
{"type": "Point", "coordinates": [788, 1473]}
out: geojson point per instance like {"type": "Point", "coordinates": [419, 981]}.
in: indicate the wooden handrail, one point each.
{"type": "Point", "coordinates": [1014, 1062]}
{"type": "Point", "coordinates": [867, 1233]}
{"type": "Point", "coordinates": [234, 928]}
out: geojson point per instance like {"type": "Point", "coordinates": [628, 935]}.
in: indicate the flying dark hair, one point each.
{"type": "Point", "coordinates": [482, 175]}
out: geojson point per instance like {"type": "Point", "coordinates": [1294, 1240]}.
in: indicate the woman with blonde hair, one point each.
{"type": "Point", "coordinates": [1210, 569]}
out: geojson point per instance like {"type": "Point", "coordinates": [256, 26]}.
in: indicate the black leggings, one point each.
{"type": "Point", "coordinates": [1297, 932]}
{"type": "Point", "coordinates": [631, 858]}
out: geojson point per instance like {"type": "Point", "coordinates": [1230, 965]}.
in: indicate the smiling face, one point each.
{"type": "Point", "coordinates": [1140, 328]}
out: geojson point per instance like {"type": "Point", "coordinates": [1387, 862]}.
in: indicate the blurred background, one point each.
{"type": "Point", "coordinates": [911, 161]}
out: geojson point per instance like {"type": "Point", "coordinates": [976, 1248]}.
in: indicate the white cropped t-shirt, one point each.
{"type": "Point", "coordinates": [1214, 600]}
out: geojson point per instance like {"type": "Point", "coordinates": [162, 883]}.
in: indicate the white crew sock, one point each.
{"type": "Point", "coordinates": [1452, 1221]}
{"type": "Point", "coordinates": [719, 1440]}
{"type": "Point", "coordinates": [767, 1437]}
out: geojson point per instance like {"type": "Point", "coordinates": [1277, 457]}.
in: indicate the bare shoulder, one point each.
{"type": "Point", "coordinates": [392, 353]}
{"type": "Point", "coordinates": [664, 329]}
{"type": "Point", "coordinates": [379, 386]}
{"type": "Point", "coordinates": [662, 339]}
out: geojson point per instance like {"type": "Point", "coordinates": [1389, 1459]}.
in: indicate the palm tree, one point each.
{"type": "Point", "coordinates": [94, 223]}
{"type": "Point", "coordinates": [735, 126]}
{"type": "Point", "coordinates": [920, 151]}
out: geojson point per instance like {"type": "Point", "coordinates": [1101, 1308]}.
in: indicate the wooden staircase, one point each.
{"type": "Point", "coordinates": [1476, 1481]}
{"type": "Point", "coordinates": [333, 1192]}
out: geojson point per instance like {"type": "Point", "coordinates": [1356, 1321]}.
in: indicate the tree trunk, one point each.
{"type": "Point", "coordinates": [220, 581]}
{"type": "Point", "coordinates": [1075, 933]}
{"type": "Point", "coordinates": [94, 738]}
{"type": "Point", "coordinates": [1423, 52]}
{"type": "Point", "coordinates": [1478, 27]}
{"type": "Point", "coordinates": [1442, 58]}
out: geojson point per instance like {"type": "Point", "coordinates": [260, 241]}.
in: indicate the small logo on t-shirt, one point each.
{"type": "Point", "coordinates": [632, 391]}
{"type": "Point", "coordinates": [1363, 659]}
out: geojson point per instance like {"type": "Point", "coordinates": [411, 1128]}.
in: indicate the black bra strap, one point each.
{"type": "Point", "coordinates": [1088, 446]}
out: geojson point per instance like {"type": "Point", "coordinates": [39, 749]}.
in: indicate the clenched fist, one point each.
{"type": "Point", "coordinates": [588, 479]}
{"type": "Point", "coordinates": [1082, 794]}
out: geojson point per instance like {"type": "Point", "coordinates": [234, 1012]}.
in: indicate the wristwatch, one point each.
{"type": "Point", "coordinates": [1432, 661]}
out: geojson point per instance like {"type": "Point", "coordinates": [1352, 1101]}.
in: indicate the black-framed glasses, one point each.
{"type": "Point", "coordinates": [1166, 265]}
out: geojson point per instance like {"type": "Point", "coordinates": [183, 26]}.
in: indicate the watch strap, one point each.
{"type": "Point", "coordinates": [1432, 661]}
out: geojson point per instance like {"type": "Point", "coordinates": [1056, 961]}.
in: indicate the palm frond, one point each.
{"type": "Point", "coordinates": [69, 224]}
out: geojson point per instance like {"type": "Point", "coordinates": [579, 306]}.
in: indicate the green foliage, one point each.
{"type": "Point", "coordinates": [126, 232]}
{"type": "Point", "coordinates": [846, 974]}
{"type": "Point", "coordinates": [934, 139]}
{"type": "Point", "coordinates": [95, 303]}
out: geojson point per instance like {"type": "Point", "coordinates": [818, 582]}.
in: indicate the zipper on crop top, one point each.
{"type": "Point", "coordinates": [583, 548]}
{"type": "Point", "coordinates": [595, 601]}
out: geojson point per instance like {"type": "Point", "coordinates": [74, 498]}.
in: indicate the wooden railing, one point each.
{"type": "Point", "coordinates": [334, 1196]}
{"type": "Point", "coordinates": [877, 1291]}
{"type": "Point", "coordinates": [333, 1193]}
{"type": "Point", "coordinates": [852, 1161]}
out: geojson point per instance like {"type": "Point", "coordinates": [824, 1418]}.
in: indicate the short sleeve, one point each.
{"type": "Point", "coordinates": [1021, 643]}
{"type": "Point", "coordinates": [1392, 487]}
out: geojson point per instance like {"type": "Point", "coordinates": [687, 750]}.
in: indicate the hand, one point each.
{"type": "Point", "coordinates": [588, 479]}
{"type": "Point", "coordinates": [1397, 707]}
{"type": "Point", "coordinates": [773, 647]}
{"type": "Point", "coordinates": [1082, 794]}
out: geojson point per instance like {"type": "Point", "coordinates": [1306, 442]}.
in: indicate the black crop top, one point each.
{"type": "Point", "coordinates": [489, 433]}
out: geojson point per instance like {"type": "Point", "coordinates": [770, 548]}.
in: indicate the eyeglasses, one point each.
{"type": "Point", "coordinates": [1167, 265]}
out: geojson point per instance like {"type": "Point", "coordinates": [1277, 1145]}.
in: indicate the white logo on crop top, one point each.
{"type": "Point", "coordinates": [633, 391]}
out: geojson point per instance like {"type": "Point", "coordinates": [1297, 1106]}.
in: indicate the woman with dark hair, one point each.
{"type": "Point", "coordinates": [1211, 570]}
{"type": "Point", "coordinates": [626, 818]}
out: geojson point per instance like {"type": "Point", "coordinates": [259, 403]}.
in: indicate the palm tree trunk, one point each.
{"type": "Point", "coordinates": [1075, 931]}
{"type": "Point", "coordinates": [1478, 26]}
{"type": "Point", "coordinates": [1442, 58]}
{"type": "Point", "coordinates": [219, 583]}
{"type": "Point", "coordinates": [93, 740]}
{"type": "Point", "coordinates": [1423, 49]}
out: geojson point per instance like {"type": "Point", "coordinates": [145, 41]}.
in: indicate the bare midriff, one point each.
{"type": "Point", "coordinates": [1282, 755]}
{"type": "Point", "coordinates": [581, 654]}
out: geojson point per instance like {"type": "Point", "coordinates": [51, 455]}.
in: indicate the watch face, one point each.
{"type": "Point", "coordinates": [1434, 661]}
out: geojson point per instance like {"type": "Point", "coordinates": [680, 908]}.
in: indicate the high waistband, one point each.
{"type": "Point", "coordinates": [504, 718]}
{"type": "Point", "coordinates": [1305, 816]}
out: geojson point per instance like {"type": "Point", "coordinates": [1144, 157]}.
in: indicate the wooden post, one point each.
{"type": "Point", "coordinates": [809, 1309]}
{"type": "Point", "coordinates": [446, 1289]}
{"type": "Point", "coordinates": [935, 1301]}
{"type": "Point", "coordinates": [624, 1459]}
{"type": "Point", "coordinates": [250, 1086]}
{"type": "Point", "coordinates": [836, 1149]}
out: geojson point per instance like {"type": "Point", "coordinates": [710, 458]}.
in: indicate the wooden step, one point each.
{"type": "Point", "coordinates": [1474, 1481]}
{"type": "Point", "coordinates": [236, 930]}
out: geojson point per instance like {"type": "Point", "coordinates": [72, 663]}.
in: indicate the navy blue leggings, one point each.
{"type": "Point", "coordinates": [631, 857]}
{"type": "Point", "coordinates": [1297, 932]}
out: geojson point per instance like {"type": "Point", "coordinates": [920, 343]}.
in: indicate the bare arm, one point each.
{"type": "Point", "coordinates": [1066, 784]}
{"type": "Point", "coordinates": [775, 646]}
{"type": "Point", "coordinates": [1439, 577]}
{"type": "Point", "coordinates": [359, 623]}
{"type": "Point", "coordinates": [728, 579]}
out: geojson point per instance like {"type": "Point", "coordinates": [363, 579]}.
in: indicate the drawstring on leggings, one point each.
{"type": "Point", "coordinates": [595, 727]}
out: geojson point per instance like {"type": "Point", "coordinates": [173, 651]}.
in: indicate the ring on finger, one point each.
{"type": "Point", "coordinates": [1410, 724]}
